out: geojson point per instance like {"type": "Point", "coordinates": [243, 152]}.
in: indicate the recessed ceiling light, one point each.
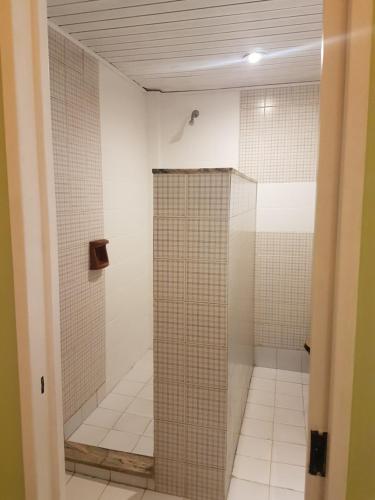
{"type": "Point", "coordinates": [254, 57]}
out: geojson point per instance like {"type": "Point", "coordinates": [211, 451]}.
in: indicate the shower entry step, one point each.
{"type": "Point", "coordinates": [115, 466]}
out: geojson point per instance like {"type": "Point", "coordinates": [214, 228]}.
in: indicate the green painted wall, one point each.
{"type": "Point", "coordinates": [361, 478]}
{"type": "Point", "coordinates": [11, 466]}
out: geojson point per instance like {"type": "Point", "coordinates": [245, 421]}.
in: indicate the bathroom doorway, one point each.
{"type": "Point", "coordinates": [338, 57]}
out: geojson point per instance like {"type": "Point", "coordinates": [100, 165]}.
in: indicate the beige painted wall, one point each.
{"type": "Point", "coordinates": [361, 477]}
{"type": "Point", "coordinates": [11, 463]}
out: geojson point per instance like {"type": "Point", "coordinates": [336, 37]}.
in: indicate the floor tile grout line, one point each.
{"type": "Point", "coordinates": [71, 474]}
{"type": "Point", "coordinates": [102, 493]}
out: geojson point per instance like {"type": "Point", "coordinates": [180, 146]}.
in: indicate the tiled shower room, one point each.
{"type": "Point", "coordinates": [185, 227]}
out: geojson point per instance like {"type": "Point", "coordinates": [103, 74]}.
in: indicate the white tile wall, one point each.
{"type": "Point", "coordinates": [279, 130]}
{"type": "Point", "coordinates": [186, 146]}
{"type": "Point", "coordinates": [286, 207]}
{"type": "Point", "coordinates": [79, 211]}
{"type": "Point", "coordinates": [285, 220]}
{"type": "Point", "coordinates": [284, 359]}
{"type": "Point", "coordinates": [80, 88]}
{"type": "Point", "coordinates": [283, 195]}
{"type": "Point", "coordinates": [283, 291]}
{"type": "Point", "coordinates": [127, 182]}
{"type": "Point", "coordinates": [278, 147]}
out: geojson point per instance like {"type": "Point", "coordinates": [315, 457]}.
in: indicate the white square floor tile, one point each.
{"type": "Point", "coordinates": [101, 417]}
{"type": "Point", "coordinates": [262, 397]}
{"type": "Point", "coordinates": [134, 424]}
{"type": "Point", "coordinates": [252, 469]}
{"type": "Point", "coordinates": [289, 417]}
{"type": "Point", "coordinates": [150, 430]}
{"type": "Point", "coordinates": [263, 384]}
{"type": "Point", "coordinates": [128, 388]}
{"type": "Point", "coordinates": [116, 402]}
{"type": "Point", "coordinates": [141, 372]}
{"type": "Point", "coordinates": [260, 372]}
{"type": "Point", "coordinates": [289, 402]}
{"type": "Point", "coordinates": [145, 446]}
{"type": "Point", "coordinates": [288, 476]}
{"type": "Point", "coordinates": [121, 492]}
{"type": "Point", "coordinates": [257, 428]}
{"type": "Point", "coordinates": [119, 441]}
{"type": "Point", "coordinates": [142, 407]}
{"type": "Point", "coordinates": [254, 447]}
{"type": "Point", "coordinates": [289, 388]}
{"type": "Point", "coordinates": [288, 376]}
{"type": "Point", "coordinates": [289, 434]}
{"type": "Point", "coordinates": [80, 487]}
{"type": "Point", "coordinates": [273, 417]}
{"type": "Point", "coordinates": [147, 392]}
{"type": "Point", "coordinates": [259, 412]}
{"type": "Point", "coordinates": [153, 495]}
{"type": "Point", "coordinates": [286, 453]}
{"type": "Point", "coordinates": [89, 406]}
{"type": "Point", "coordinates": [147, 360]}
{"type": "Point", "coordinates": [88, 434]}
{"type": "Point", "coordinates": [247, 490]}
{"type": "Point", "coordinates": [282, 494]}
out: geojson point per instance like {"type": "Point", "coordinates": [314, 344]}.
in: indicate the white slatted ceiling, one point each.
{"type": "Point", "coordinates": [177, 45]}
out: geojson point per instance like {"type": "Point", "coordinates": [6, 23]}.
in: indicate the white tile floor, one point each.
{"type": "Point", "coordinates": [271, 453]}
{"type": "Point", "coordinates": [124, 420]}
{"type": "Point", "coordinates": [85, 488]}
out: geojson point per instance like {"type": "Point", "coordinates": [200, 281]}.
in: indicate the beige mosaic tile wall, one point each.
{"type": "Point", "coordinates": [192, 253]}
{"type": "Point", "coordinates": [279, 134]}
{"type": "Point", "coordinates": [283, 288]}
{"type": "Point", "coordinates": [78, 180]}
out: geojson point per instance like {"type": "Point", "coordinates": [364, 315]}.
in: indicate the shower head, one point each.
{"type": "Point", "coordinates": [194, 115]}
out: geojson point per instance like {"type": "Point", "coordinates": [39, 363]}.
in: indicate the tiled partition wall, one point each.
{"type": "Point", "coordinates": [201, 228]}
{"type": "Point", "coordinates": [78, 180]}
{"type": "Point", "coordinates": [279, 130]}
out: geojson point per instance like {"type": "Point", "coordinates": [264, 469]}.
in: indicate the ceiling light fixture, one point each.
{"type": "Point", "coordinates": [254, 57]}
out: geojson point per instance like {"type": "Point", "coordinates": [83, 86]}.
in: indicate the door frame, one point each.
{"type": "Point", "coordinates": [26, 97]}
{"type": "Point", "coordinates": [344, 103]}
{"type": "Point", "coordinates": [347, 34]}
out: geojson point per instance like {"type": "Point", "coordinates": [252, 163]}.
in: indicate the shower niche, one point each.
{"type": "Point", "coordinates": [204, 254]}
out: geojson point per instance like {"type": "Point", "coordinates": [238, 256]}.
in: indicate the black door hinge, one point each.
{"type": "Point", "coordinates": [318, 453]}
{"type": "Point", "coordinates": [42, 385]}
